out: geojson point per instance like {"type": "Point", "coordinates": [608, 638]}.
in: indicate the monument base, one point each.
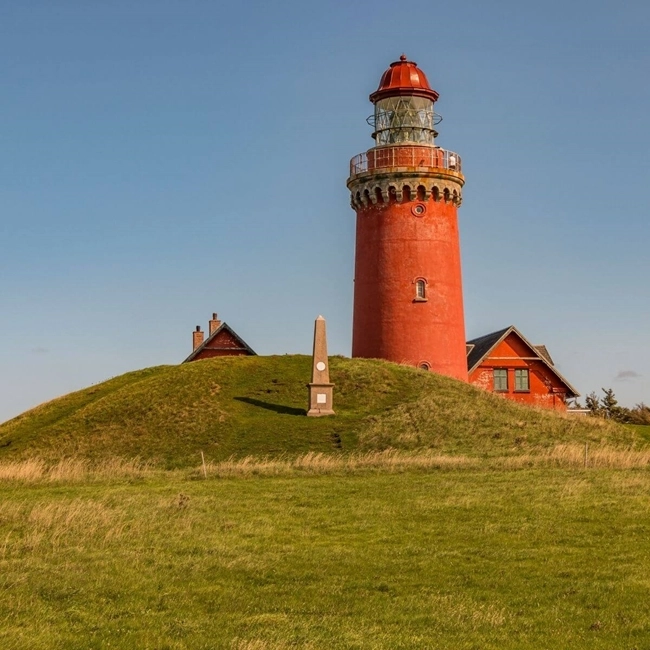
{"type": "Point", "coordinates": [320, 400]}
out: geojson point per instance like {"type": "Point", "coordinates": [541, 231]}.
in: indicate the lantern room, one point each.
{"type": "Point", "coordinates": [404, 106]}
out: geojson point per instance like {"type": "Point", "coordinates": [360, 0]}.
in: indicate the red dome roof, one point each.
{"type": "Point", "coordinates": [403, 78]}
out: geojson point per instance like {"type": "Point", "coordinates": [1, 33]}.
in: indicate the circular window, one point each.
{"type": "Point", "coordinates": [424, 365]}
{"type": "Point", "coordinates": [419, 209]}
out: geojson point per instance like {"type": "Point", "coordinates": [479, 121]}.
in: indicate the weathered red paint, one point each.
{"type": "Point", "coordinates": [546, 389]}
{"type": "Point", "coordinates": [224, 344]}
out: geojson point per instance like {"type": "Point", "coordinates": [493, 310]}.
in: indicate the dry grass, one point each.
{"type": "Point", "coordinates": [565, 456]}
{"type": "Point", "coordinates": [260, 644]}
{"type": "Point", "coordinates": [318, 464]}
{"type": "Point", "coordinates": [74, 470]}
{"type": "Point", "coordinates": [582, 456]}
{"type": "Point", "coordinates": [71, 470]}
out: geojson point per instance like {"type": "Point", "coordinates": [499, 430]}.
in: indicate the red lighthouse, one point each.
{"type": "Point", "coordinates": [408, 297]}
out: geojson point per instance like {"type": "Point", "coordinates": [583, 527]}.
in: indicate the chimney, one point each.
{"type": "Point", "coordinates": [214, 324]}
{"type": "Point", "coordinates": [197, 337]}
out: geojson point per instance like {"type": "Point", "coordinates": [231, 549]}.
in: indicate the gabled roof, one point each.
{"type": "Point", "coordinates": [482, 345]}
{"type": "Point", "coordinates": [485, 344]}
{"type": "Point", "coordinates": [223, 327]}
{"type": "Point", "coordinates": [545, 353]}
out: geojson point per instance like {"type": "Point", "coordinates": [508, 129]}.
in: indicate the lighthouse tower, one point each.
{"type": "Point", "coordinates": [408, 297]}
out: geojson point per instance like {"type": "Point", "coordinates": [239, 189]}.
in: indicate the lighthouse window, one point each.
{"type": "Point", "coordinates": [404, 119]}
{"type": "Point", "coordinates": [420, 290]}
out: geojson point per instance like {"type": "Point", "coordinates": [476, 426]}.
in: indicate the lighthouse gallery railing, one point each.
{"type": "Point", "coordinates": [414, 157]}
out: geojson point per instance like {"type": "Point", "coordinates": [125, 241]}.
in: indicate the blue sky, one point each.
{"type": "Point", "coordinates": [163, 160]}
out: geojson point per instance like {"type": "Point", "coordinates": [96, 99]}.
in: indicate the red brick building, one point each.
{"type": "Point", "coordinates": [222, 341]}
{"type": "Point", "coordinates": [505, 362]}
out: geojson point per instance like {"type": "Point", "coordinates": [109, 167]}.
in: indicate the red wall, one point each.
{"type": "Point", "coordinates": [541, 380]}
{"type": "Point", "coordinates": [222, 345]}
{"type": "Point", "coordinates": [393, 249]}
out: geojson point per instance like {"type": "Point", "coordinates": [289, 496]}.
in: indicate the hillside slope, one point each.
{"type": "Point", "coordinates": [256, 406]}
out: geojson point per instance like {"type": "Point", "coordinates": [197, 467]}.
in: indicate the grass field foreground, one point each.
{"type": "Point", "coordinates": [445, 558]}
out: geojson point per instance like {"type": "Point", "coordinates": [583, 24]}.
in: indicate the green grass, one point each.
{"type": "Point", "coordinates": [642, 430]}
{"type": "Point", "coordinates": [426, 514]}
{"type": "Point", "coordinates": [461, 559]}
{"type": "Point", "coordinates": [256, 406]}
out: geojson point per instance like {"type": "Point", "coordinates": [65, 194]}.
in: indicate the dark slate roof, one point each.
{"type": "Point", "coordinates": [485, 344]}
{"type": "Point", "coordinates": [482, 345]}
{"type": "Point", "coordinates": [221, 328]}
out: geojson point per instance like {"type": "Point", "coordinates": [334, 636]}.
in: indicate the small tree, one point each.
{"type": "Point", "coordinates": [593, 404]}
{"type": "Point", "coordinates": [611, 409]}
{"type": "Point", "coordinates": [609, 403]}
{"type": "Point", "coordinates": [640, 414]}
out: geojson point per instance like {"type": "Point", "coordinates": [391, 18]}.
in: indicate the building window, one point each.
{"type": "Point", "coordinates": [500, 379]}
{"type": "Point", "coordinates": [424, 365]}
{"type": "Point", "coordinates": [420, 290]}
{"type": "Point", "coordinates": [521, 379]}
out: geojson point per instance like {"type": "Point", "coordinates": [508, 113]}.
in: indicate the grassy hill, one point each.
{"type": "Point", "coordinates": [467, 553]}
{"type": "Point", "coordinates": [256, 406]}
